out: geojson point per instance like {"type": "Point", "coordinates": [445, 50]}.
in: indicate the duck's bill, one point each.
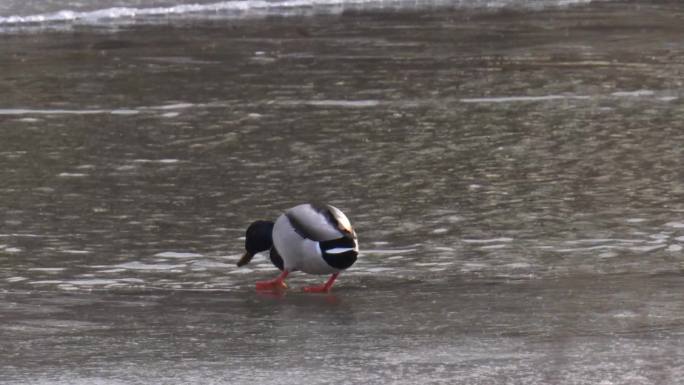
{"type": "Point", "coordinates": [245, 259]}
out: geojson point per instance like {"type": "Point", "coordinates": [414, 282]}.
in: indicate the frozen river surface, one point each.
{"type": "Point", "coordinates": [515, 176]}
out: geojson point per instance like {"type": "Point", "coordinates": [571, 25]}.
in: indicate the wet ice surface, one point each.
{"type": "Point", "coordinates": [514, 176]}
{"type": "Point", "coordinates": [620, 329]}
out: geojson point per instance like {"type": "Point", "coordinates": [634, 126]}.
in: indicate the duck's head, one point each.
{"type": "Point", "coordinates": [258, 238]}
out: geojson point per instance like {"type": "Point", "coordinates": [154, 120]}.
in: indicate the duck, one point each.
{"type": "Point", "coordinates": [311, 238]}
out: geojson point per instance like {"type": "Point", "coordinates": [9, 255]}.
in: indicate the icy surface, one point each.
{"type": "Point", "coordinates": [515, 178]}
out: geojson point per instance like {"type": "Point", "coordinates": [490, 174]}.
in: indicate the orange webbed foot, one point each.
{"type": "Point", "coordinates": [325, 288]}
{"type": "Point", "coordinates": [274, 284]}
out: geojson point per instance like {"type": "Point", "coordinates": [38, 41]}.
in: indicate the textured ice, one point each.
{"type": "Point", "coordinates": [92, 282]}
{"type": "Point", "coordinates": [674, 248]}
{"type": "Point", "coordinates": [492, 247]}
{"type": "Point", "coordinates": [513, 99]}
{"type": "Point", "coordinates": [386, 251]}
{"type": "Point", "coordinates": [22, 111]}
{"type": "Point", "coordinates": [72, 175]}
{"type": "Point", "coordinates": [47, 269]}
{"type": "Point", "coordinates": [636, 220]}
{"type": "Point", "coordinates": [636, 93]}
{"type": "Point", "coordinates": [343, 103]}
{"type": "Point", "coordinates": [135, 265]}
{"type": "Point", "coordinates": [159, 285]}
{"type": "Point", "coordinates": [176, 106]}
{"type": "Point", "coordinates": [492, 240]}
{"type": "Point", "coordinates": [647, 248]}
{"type": "Point", "coordinates": [175, 254]}
{"type": "Point", "coordinates": [161, 161]}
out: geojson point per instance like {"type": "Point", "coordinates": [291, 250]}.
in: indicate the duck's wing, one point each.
{"type": "Point", "coordinates": [319, 222]}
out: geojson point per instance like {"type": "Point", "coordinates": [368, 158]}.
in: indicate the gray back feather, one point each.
{"type": "Point", "coordinates": [315, 222]}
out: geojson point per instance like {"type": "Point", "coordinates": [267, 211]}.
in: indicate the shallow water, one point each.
{"type": "Point", "coordinates": [515, 177]}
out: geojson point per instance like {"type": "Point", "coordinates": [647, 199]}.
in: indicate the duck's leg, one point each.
{"type": "Point", "coordinates": [277, 283]}
{"type": "Point", "coordinates": [322, 288]}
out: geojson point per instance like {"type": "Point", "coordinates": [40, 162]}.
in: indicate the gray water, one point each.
{"type": "Point", "coordinates": [514, 175]}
